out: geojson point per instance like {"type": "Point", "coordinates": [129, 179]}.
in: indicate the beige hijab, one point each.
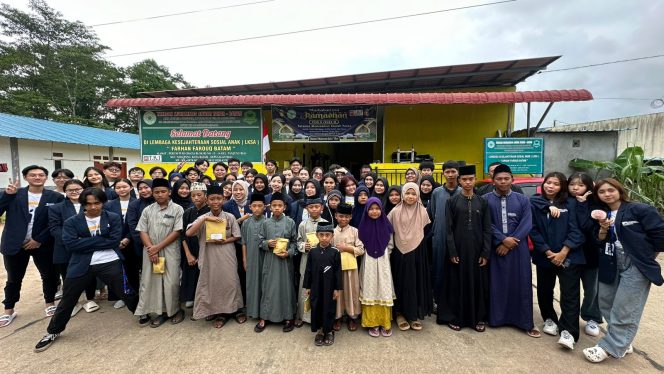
{"type": "Point", "coordinates": [409, 221]}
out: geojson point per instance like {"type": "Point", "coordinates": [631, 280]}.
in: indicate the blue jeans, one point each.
{"type": "Point", "coordinates": [622, 304]}
{"type": "Point", "coordinates": [590, 305]}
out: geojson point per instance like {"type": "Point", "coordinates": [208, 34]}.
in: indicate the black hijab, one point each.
{"type": "Point", "coordinates": [381, 196]}
{"type": "Point", "coordinates": [388, 205]}
{"type": "Point", "coordinates": [426, 197]}
{"type": "Point", "coordinates": [184, 202]}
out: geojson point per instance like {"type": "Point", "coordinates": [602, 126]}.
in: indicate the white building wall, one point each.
{"type": "Point", "coordinates": [76, 157]}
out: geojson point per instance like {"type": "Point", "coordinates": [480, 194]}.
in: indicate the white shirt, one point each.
{"type": "Point", "coordinates": [77, 207]}
{"type": "Point", "coordinates": [99, 257]}
{"type": "Point", "coordinates": [33, 202]}
{"type": "Point", "coordinates": [123, 207]}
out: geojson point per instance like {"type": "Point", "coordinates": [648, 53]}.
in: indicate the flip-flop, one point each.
{"type": "Point", "coordinates": [289, 326]}
{"type": "Point", "coordinates": [7, 319]}
{"type": "Point", "coordinates": [534, 333]}
{"type": "Point", "coordinates": [91, 306]}
{"type": "Point", "coordinates": [352, 324]}
{"type": "Point", "coordinates": [220, 322]}
{"type": "Point", "coordinates": [50, 310]}
{"type": "Point", "coordinates": [416, 325]}
{"type": "Point", "coordinates": [386, 333]}
{"type": "Point", "coordinates": [480, 327]}
{"type": "Point", "coordinates": [454, 327]}
{"type": "Point", "coordinates": [299, 323]}
{"type": "Point", "coordinates": [373, 332]}
{"type": "Point", "coordinates": [337, 325]}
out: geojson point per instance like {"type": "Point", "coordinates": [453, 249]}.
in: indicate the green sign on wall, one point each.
{"type": "Point", "coordinates": [213, 134]}
{"type": "Point", "coordinates": [522, 155]}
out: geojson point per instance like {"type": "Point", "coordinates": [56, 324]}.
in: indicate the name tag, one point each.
{"type": "Point", "coordinates": [609, 249]}
{"type": "Point", "coordinates": [629, 223]}
{"type": "Point", "coordinates": [562, 210]}
{"type": "Point", "coordinates": [511, 214]}
{"type": "Point", "coordinates": [49, 204]}
{"type": "Point", "coordinates": [168, 216]}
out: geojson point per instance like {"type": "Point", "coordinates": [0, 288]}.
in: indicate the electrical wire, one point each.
{"type": "Point", "coordinates": [311, 30]}
{"type": "Point", "coordinates": [180, 14]}
{"type": "Point", "coordinates": [601, 64]}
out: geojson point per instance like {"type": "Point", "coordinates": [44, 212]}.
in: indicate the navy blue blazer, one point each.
{"type": "Point", "coordinates": [134, 212]}
{"type": "Point", "coordinates": [232, 208]}
{"type": "Point", "coordinates": [640, 229]}
{"type": "Point", "coordinates": [57, 215]}
{"type": "Point", "coordinates": [115, 207]}
{"type": "Point", "coordinates": [552, 234]}
{"type": "Point", "coordinates": [78, 241]}
{"type": "Point", "coordinates": [18, 218]}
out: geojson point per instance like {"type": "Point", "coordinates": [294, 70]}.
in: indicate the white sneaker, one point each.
{"type": "Point", "coordinates": [592, 328]}
{"type": "Point", "coordinates": [189, 304]}
{"type": "Point", "coordinates": [629, 350]}
{"type": "Point", "coordinates": [119, 304]}
{"type": "Point", "coordinates": [550, 327]}
{"type": "Point", "coordinates": [566, 340]}
{"type": "Point", "coordinates": [58, 295]}
{"type": "Point", "coordinates": [595, 354]}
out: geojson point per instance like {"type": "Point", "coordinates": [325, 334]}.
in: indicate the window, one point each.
{"type": "Point", "coordinates": [576, 143]}
{"type": "Point", "coordinates": [58, 164]}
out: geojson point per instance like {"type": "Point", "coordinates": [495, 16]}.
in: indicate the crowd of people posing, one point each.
{"type": "Point", "coordinates": [295, 246]}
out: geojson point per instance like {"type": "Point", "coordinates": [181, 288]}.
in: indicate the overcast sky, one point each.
{"type": "Point", "coordinates": [583, 32]}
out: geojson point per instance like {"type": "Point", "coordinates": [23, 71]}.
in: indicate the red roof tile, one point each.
{"type": "Point", "coordinates": [367, 98]}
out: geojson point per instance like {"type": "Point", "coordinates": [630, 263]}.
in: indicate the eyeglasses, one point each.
{"type": "Point", "coordinates": [410, 173]}
{"type": "Point", "coordinates": [77, 190]}
{"type": "Point", "coordinates": [60, 178]}
{"type": "Point", "coordinates": [113, 170]}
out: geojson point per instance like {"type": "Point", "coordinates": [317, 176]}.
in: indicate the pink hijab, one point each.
{"type": "Point", "coordinates": [409, 221]}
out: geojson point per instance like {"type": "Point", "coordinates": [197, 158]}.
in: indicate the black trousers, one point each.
{"type": "Point", "coordinates": [110, 273]}
{"type": "Point", "coordinates": [241, 272]}
{"type": "Point", "coordinates": [17, 264]}
{"type": "Point", "coordinates": [89, 290]}
{"type": "Point", "coordinates": [570, 290]}
{"type": "Point", "coordinates": [132, 265]}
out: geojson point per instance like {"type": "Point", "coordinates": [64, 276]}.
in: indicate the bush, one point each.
{"type": "Point", "coordinates": [643, 181]}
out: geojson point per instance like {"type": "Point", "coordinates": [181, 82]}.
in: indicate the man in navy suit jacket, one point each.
{"type": "Point", "coordinates": [26, 234]}
{"type": "Point", "coordinates": [93, 238]}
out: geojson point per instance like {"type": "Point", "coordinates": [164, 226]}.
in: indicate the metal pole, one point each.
{"type": "Point", "coordinates": [543, 116]}
{"type": "Point", "coordinates": [528, 121]}
{"type": "Point", "coordinates": [16, 167]}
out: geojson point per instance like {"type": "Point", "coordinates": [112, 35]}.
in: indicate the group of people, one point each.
{"type": "Point", "coordinates": [296, 246]}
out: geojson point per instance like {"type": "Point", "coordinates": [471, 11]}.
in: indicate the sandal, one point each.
{"type": "Point", "coordinates": [299, 323]}
{"type": "Point", "coordinates": [534, 333]}
{"type": "Point", "coordinates": [318, 340]}
{"type": "Point", "coordinates": [50, 310]}
{"type": "Point", "coordinates": [402, 323]}
{"type": "Point", "coordinates": [386, 333]}
{"type": "Point", "coordinates": [329, 338]}
{"type": "Point", "coordinates": [595, 354]}
{"type": "Point", "coordinates": [7, 319]}
{"type": "Point", "coordinates": [240, 318]}
{"type": "Point", "coordinates": [178, 317]}
{"type": "Point", "coordinates": [158, 321]}
{"type": "Point", "coordinates": [260, 326]}
{"type": "Point", "coordinates": [454, 327]}
{"type": "Point", "coordinates": [220, 322]}
{"type": "Point", "coordinates": [144, 320]}
{"type": "Point", "coordinates": [352, 324]}
{"type": "Point", "coordinates": [90, 306]}
{"type": "Point", "coordinates": [211, 317]}
{"type": "Point", "coordinates": [373, 332]}
{"type": "Point", "coordinates": [289, 326]}
{"type": "Point", "coordinates": [416, 325]}
{"type": "Point", "coordinates": [337, 325]}
{"type": "Point", "coordinates": [480, 327]}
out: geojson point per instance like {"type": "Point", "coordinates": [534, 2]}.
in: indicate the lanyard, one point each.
{"type": "Point", "coordinates": [612, 230]}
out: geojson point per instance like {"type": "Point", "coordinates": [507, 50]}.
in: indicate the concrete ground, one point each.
{"type": "Point", "coordinates": [110, 340]}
